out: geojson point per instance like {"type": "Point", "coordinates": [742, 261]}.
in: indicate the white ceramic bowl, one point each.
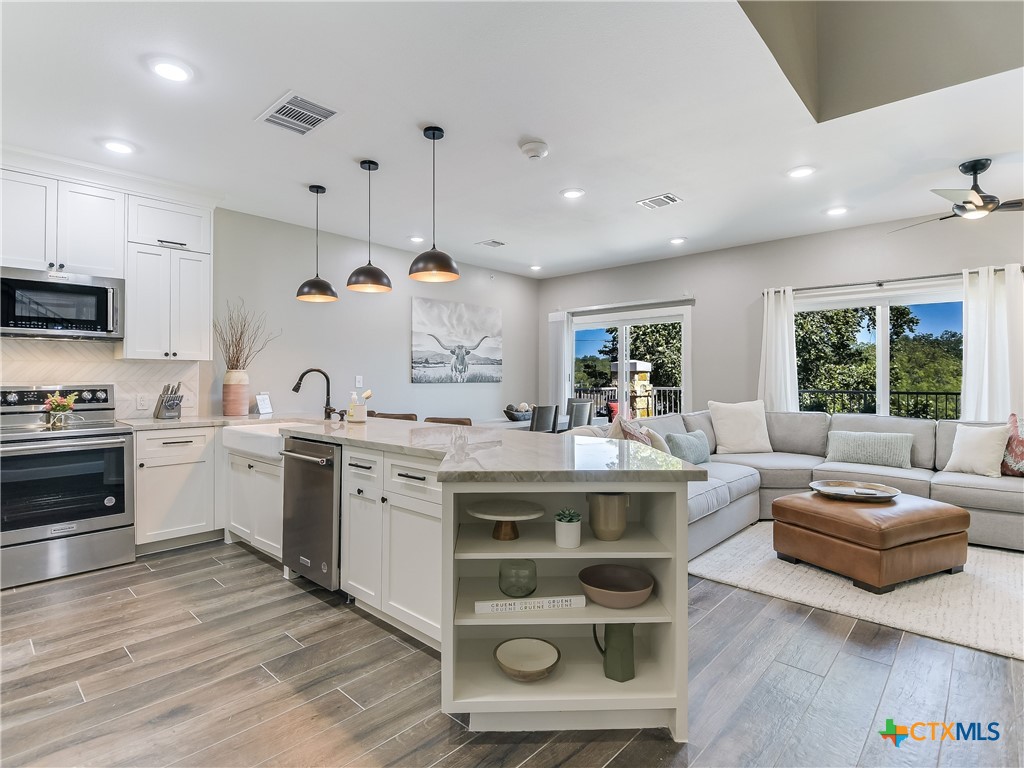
{"type": "Point", "coordinates": [527, 659]}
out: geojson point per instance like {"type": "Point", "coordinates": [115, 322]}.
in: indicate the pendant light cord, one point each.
{"type": "Point", "coordinates": [369, 212]}
{"type": "Point", "coordinates": [317, 234]}
{"type": "Point", "coordinates": [433, 194]}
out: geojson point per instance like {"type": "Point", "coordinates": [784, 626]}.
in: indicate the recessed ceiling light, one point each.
{"type": "Point", "coordinates": [416, 239]}
{"type": "Point", "coordinates": [572, 193]}
{"type": "Point", "coordinates": [535, 268]}
{"type": "Point", "coordinates": [120, 147]}
{"type": "Point", "coordinates": [174, 71]}
{"type": "Point", "coordinates": [677, 240]}
{"type": "Point", "coordinates": [800, 171]}
{"type": "Point", "coordinates": [837, 211]}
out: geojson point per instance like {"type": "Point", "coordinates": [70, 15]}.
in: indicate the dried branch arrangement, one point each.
{"type": "Point", "coordinates": [242, 335]}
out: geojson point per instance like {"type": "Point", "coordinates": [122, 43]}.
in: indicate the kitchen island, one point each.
{"type": "Point", "coordinates": [462, 466]}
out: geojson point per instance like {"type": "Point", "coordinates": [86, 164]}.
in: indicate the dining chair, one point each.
{"type": "Point", "coordinates": [544, 418]}
{"type": "Point", "coordinates": [400, 416]}
{"type": "Point", "coordinates": [457, 421]}
{"type": "Point", "coordinates": [581, 414]}
{"type": "Point", "coordinates": [573, 401]}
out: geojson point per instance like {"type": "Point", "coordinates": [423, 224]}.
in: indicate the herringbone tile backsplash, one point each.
{"type": "Point", "coordinates": [31, 361]}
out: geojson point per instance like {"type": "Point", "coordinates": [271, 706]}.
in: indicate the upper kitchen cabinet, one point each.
{"type": "Point", "coordinates": [154, 222]}
{"type": "Point", "coordinates": [28, 238]}
{"type": "Point", "coordinates": [168, 305]}
{"type": "Point", "coordinates": [90, 230]}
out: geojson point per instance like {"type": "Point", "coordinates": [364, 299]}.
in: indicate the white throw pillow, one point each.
{"type": "Point", "coordinates": [740, 427]}
{"type": "Point", "coordinates": [978, 450]}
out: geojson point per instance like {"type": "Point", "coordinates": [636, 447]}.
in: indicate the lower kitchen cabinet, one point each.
{"type": "Point", "coordinates": [411, 567]}
{"type": "Point", "coordinates": [174, 483]}
{"type": "Point", "coordinates": [256, 502]}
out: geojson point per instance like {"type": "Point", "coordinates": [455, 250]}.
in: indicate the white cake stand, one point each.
{"type": "Point", "coordinates": [506, 513]}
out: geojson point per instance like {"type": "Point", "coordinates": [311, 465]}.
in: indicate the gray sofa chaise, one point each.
{"type": "Point", "coordinates": [741, 486]}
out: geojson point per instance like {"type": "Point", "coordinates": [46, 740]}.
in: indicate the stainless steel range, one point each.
{"type": "Point", "coordinates": [67, 496]}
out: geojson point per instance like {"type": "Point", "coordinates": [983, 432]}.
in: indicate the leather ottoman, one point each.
{"type": "Point", "coordinates": [876, 545]}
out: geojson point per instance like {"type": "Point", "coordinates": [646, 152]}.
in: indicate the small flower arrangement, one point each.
{"type": "Point", "coordinates": [55, 403]}
{"type": "Point", "coordinates": [567, 515]}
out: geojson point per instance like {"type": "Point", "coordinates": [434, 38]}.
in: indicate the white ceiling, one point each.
{"type": "Point", "coordinates": [634, 99]}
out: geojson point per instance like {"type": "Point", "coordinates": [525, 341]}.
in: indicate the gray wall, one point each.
{"type": "Point", "coordinates": [727, 285]}
{"type": "Point", "coordinates": [263, 261]}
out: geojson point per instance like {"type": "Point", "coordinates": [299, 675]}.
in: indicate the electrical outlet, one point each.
{"type": "Point", "coordinates": [359, 381]}
{"type": "Point", "coordinates": [141, 403]}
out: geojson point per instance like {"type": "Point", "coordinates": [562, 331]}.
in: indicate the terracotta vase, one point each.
{"type": "Point", "coordinates": [236, 393]}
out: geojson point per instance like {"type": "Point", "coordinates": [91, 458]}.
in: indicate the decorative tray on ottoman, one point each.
{"type": "Point", "coordinates": [852, 490]}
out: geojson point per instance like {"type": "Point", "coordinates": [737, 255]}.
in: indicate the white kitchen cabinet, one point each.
{"type": "Point", "coordinates": [90, 230]}
{"type": "Point", "coordinates": [28, 209]}
{"type": "Point", "coordinates": [256, 502]}
{"type": "Point", "coordinates": [154, 222]}
{"type": "Point", "coordinates": [168, 305]}
{"type": "Point", "coordinates": [361, 524]}
{"type": "Point", "coordinates": [174, 483]}
{"type": "Point", "coordinates": [411, 583]}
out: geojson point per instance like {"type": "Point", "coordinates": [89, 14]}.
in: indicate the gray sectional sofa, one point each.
{"type": "Point", "coordinates": [741, 487]}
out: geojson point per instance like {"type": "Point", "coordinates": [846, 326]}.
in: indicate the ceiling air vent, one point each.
{"type": "Point", "coordinates": [491, 243]}
{"type": "Point", "coordinates": [659, 201]}
{"type": "Point", "coordinates": [296, 114]}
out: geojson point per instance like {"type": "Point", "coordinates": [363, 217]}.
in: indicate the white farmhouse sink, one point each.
{"type": "Point", "coordinates": [261, 440]}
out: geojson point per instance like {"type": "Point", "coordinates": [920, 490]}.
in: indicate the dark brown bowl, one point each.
{"type": "Point", "coordinates": [616, 586]}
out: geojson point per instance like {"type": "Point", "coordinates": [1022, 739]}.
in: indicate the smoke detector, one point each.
{"type": "Point", "coordinates": [534, 149]}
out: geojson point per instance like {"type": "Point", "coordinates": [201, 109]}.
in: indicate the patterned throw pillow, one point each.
{"type": "Point", "coordinates": [1013, 459]}
{"type": "Point", "coordinates": [623, 429]}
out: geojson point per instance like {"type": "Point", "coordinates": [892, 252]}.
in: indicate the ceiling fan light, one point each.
{"type": "Point", "coordinates": [434, 266]}
{"type": "Point", "coordinates": [977, 213]}
{"type": "Point", "coordinates": [316, 289]}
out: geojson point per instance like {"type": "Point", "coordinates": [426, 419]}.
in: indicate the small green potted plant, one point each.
{"type": "Point", "coordinates": [567, 528]}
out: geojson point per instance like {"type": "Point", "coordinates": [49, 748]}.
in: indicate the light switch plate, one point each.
{"type": "Point", "coordinates": [359, 381]}
{"type": "Point", "coordinates": [141, 403]}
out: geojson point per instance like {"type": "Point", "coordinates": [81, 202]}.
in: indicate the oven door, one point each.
{"type": "Point", "coordinates": [61, 305]}
{"type": "Point", "coordinates": [50, 489]}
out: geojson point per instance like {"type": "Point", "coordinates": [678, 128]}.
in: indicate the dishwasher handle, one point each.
{"type": "Point", "coordinates": [313, 459]}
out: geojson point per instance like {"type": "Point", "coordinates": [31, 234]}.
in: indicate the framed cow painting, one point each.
{"type": "Point", "coordinates": [454, 343]}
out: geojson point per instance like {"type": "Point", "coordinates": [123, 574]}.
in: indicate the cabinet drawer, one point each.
{"type": "Point", "coordinates": [412, 477]}
{"type": "Point", "coordinates": [363, 467]}
{"type": "Point", "coordinates": [180, 444]}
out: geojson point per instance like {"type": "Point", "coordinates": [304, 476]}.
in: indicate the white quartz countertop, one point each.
{"type": "Point", "coordinates": [195, 422]}
{"type": "Point", "coordinates": [482, 454]}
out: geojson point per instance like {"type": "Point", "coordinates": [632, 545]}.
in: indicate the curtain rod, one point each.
{"type": "Point", "coordinates": [880, 283]}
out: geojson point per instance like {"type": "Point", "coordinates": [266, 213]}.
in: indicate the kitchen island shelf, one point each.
{"type": "Point", "coordinates": [486, 589]}
{"type": "Point", "coordinates": [537, 540]}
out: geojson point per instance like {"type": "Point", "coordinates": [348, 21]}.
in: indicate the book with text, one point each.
{"type": "Point", "coordinates": [530, 604]}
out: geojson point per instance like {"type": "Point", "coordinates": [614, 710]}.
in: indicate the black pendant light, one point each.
{"type": "Point", "coordinates": [434, 266]}
{"type": "Point", "coordinates": [368, 278]}
{"type": "Point", "coordinates": [316, 288]}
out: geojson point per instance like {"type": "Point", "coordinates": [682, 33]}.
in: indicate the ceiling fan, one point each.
{"type": "Point", "coordinates": [973, 203]}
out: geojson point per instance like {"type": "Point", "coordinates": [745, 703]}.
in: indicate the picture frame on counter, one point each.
{"type": "Point", "coordinates": [263, 404]}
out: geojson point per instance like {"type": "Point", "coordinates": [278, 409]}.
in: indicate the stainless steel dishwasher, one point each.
{"type": "Point", "coordinates": [311, 538]}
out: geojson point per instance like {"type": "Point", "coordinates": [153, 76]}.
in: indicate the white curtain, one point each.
{"type": "Point", "coordinates": [993, 378]}
{"type": "Point", "coordinates": [776, 383]}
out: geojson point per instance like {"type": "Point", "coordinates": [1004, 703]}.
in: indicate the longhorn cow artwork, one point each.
{"type": "Point", "coordinates": [455, 343]}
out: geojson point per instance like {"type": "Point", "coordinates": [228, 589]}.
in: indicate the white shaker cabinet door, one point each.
{"type": "Point", "coordinates": [266, 494]}
{"type": "Point", "coordinates": [239, 496]}
{"type": "Point", "coordinates": [90, 230]}
{"type": "Point", "coordinates": [173, 500]}
{"type": "Point", "coordinates": [169, 225]}
{"type": "Point", "coordinates": [191, 314]}
{"type": "Point", "coordinates": [360, 543]}
{"type": "Point", "coordinates": [28, 237]}
{"type": "Point", "coordinates": [412, 562]}
{"type": "Point", "coordinates": [147, 330]}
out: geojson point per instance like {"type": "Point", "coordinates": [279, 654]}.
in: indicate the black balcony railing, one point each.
{"type": "Point", "coordinates": [922, 405]}
{"type": "Point", "coordinates": [661, 400]}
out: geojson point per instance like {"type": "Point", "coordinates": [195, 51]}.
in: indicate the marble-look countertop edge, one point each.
{"type": "Point", "coordinates": [571, 475]}
{"type": "Point", "coordinates": [362, 442]}
{"type": "Point", "coordinates": [197, 422]}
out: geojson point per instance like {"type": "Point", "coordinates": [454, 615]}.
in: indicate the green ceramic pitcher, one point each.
{"type": "Point", "coordinates": [618, 651]}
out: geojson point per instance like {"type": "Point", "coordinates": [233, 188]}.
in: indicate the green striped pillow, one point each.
{"type": "Point", "coordinates": [886, 449]}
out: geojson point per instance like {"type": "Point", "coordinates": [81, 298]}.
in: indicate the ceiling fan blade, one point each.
{"type": "Point", "coordinates": [960, 196]}
{"type": "Point", "coordinates": [1012, 205]}
{"type": "Point", "coordinates": [926, 221]}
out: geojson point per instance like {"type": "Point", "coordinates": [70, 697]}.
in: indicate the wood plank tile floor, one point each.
{"type": "Point", "coordinates": [207, 657]}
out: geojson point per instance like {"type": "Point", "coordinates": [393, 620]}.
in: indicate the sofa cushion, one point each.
{"type": "Point", "coordinates": [1005, 494]}
{"type": "Point", "coordinates": [922, 454]}
{"type": "Point", "coordinates": [740, 427]}
{"type": "Point", "coordinates": [705, 497]}
{"type": "Point", "coordinates": [914, 480]}
{"type": "Point", "coordinates": [777, 470]}
{"type": "Point", "coordinates": [945, 433]}
{"type": "Point", "coordinates": [702, 420]}
{"type": "Point", "coordinates": [805, 432]}
{"type": "Point", "coordinates": [663, 425]}
{"type": "Point", "coordinates": [741, 480]}
{"type": "Point", "coordinates": [691, 446]}
{"type": "Point", "coordinates": [886, 449]}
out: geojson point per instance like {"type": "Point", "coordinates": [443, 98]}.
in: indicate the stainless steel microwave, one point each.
{"type": "Point", "coordinates": [50, 305]}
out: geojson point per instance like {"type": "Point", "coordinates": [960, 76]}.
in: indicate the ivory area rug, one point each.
{"type": "Point", "coordinates": [983, 607]}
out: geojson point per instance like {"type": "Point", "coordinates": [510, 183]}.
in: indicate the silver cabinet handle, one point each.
{"type": "Point", "coordinates": [301, 457]}
{"type": "Point", "coordinates": [171, 242]}
{"type": "Point", "coordinates": [62, 447]}
{"type": "Point", "coordinates": [412, 477]}
{"type": "Point", "coordinates": [110, 310]}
